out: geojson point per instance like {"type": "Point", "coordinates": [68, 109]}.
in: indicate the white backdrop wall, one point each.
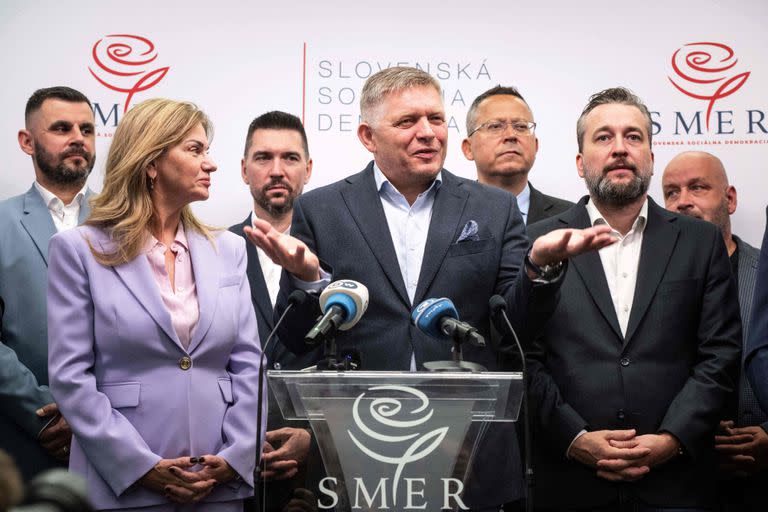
{"type": "Point", "coordinates": [239, 59]}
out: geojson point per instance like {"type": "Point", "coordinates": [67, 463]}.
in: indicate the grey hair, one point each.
{"type": "Point", "coordinates": [498, 90]}
{"type": "Point", "coordinates": [394, 79]}
{"type": "Point", "coordinates": [620, 95]}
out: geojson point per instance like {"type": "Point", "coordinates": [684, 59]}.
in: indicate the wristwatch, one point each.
{"type": "Point", "coordinates": [544, 273]}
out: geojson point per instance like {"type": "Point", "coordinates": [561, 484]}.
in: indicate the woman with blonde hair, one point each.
{"type": "Point", "coordinates": [153, 347]}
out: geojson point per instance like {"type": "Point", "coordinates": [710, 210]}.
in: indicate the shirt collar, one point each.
{"type": "Point", "coordinates": [50, 199]}
{"type": "Point", "coordinates": [179, 240]}
{"type": "Point", "coordinates": [595, 217]}
{"type": "Point", "coordinates": [524, 199]}
{"type": "Point", "coordinates": [383, 184]}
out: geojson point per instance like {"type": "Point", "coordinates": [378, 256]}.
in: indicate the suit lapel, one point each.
{"type": "Point", "coordinates": [590, 268]}
{"type": "Point", "coordinates": [659, 240]}
{"type": "Point", "coordinates": [37, 221]}
{"type": "Point", "coordinates": [259, 291]}
{"type": "Point", "coordinates": [85, 207]}
{"type": "Point", "coordinates": [447, 210]}
{"type": "Point", "coordinates": [137, 277]}
{"type": "Point", "coordinates": [537, 205]}
{"type": "Point", "coordinates": [205, 268]}
{"type": "Point", "coordinates": [362, 200]}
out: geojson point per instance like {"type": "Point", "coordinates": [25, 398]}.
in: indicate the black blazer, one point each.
{"type": "Point", "coordinates": [671, 372]}
{"type": "Point", "coordinates": [542, 206]}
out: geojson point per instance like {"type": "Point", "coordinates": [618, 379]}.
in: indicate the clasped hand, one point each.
{"type": "Point", "coordinates": [173, 478]}
{"type": "Point", "coordinates": [285, 450]}
{"type": "Point", "coordinates": [621, 455]}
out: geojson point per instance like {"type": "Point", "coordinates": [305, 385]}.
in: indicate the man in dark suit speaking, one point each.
{"type": "Point", "coordinates": [630, 375]}
{"type": "Point", "coordinates": [410, 230]}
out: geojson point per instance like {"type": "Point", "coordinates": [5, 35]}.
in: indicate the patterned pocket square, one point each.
{"type": "Point", "coordinates": [469, 232]}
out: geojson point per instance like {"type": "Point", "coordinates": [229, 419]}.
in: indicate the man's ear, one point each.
{"type": "Point", "coordinates": [466, 148]}
{"type": "Point", "coordinates": [365, 134]}
{"type": "Point", "coordinates": [26, 142]}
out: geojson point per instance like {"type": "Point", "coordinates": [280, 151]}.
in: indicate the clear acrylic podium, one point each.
{"type": "Point", "coordinates": [395, 440]}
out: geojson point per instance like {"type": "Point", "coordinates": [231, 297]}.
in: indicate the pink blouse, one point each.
{"type": "Point", "coordinates": [181, 304]}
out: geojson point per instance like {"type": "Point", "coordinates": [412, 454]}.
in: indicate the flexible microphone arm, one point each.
{"type": "Point", "coordinates": [499, 311]}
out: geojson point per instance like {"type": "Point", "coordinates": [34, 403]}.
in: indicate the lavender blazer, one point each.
{"type": "Point", "coordinates": [124, 381]}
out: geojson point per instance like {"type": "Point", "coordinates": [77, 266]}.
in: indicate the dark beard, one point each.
{"type": "Point", "coordinates": [617, 194]}
{"type": "Point", "coordinates": [56, 171]}
{"type": "Point", "coordinates": [276, 209]}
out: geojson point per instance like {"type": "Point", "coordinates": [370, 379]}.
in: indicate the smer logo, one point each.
{"type": "Point", "coordinates": [414, 444]}
{"type": "Point", "coordinates": [124, 63]}
{"type": "Point", "coordinates": [705, 71]}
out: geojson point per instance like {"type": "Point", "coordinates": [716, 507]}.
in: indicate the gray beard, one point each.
{"type": "Point", "coordinates": [617, 194]}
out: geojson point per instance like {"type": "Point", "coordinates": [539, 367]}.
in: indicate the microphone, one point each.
{"type": "Point", "coordinates": [343, 303]}
{"type": "Point", "coordinates": [296, 298]}
{"type": "Point", "coordinates": [500, 319]}
{"type": "Point", "coordinates": [439, 319]}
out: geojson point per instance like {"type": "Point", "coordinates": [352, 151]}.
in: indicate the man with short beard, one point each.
{"type": "Point", "coordinates": [695, 184]}
{"type": "Point", "coordinates": [630, 375]}
{"type": "Point", "coordinates": [59, 136]}
{"type": "Point", "coordinates": [276, 166]}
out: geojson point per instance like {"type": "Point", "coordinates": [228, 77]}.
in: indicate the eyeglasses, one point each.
{"type": "Point", "coordinates": [497, 127]}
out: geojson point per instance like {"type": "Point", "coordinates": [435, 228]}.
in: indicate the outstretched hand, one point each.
{"type": "Point", "coordinates": [561, 244]}
{"type": "Point", "coordinates": [290, 253]}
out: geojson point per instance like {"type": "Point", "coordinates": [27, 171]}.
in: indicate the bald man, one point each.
{"type": "Point", "coordinates": [695, 184]}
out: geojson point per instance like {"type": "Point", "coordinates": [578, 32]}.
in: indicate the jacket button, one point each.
{"type": "Point", "coordinates": [620, 414]}
{"type": "Point", "coordinates": [185, 363]}
{"type": "Point", "coordinates": [624, 361]}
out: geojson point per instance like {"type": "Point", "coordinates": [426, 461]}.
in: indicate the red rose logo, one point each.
{"type": "Point", "coordinates": [705, 71]}
{"type": "Point", "coordinates": [123, 64]}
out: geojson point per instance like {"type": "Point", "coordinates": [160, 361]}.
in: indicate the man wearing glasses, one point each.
{"type": "Point", "coordinates": [502, 143]}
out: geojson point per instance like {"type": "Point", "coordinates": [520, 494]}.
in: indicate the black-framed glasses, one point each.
{"type": "Point", "coordinates": [498, 126]}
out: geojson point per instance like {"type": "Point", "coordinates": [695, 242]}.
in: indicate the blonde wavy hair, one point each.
{"type": "Point", "coordinates": [124, 207]}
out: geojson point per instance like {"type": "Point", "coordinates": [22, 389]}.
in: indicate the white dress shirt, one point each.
{"type": "Point", "coordinates": [620, 261]}
{"type": "Point", "coordinates": [620, 264]}
{"type": "Point", "coordinates": [524, 202]}
{"type": "Point", "coordinates": [64, 215]}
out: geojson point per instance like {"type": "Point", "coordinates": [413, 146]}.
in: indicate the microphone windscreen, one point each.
{"type": "Point", "coordinates": [497, 304]}
{"type": "Point", "coordinates": [427, 315]}
{"type": "Point", "coordinates": [297, 297]}
{"type": "Point", "coordinates": [348, 294]}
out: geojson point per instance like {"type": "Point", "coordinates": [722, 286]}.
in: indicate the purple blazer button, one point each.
{"type": "Point", "coordinates": [185, 363]}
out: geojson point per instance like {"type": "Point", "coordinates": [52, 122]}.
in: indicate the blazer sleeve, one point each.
{"type": "Point", "coordinates": [112, 444]}
{"type": "Point", "coordinates": [20, 394]}
{"type": "Point", "coordinates": [529, 304]}
{"type": "Point", "coordinates": [756, 346]}
{"type": "Point", "coordinates": [242, 435]}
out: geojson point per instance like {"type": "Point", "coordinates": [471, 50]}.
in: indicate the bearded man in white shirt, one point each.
{"type": "Point", "coordinates": [631, 373]}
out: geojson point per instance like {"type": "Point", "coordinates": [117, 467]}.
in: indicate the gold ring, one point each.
{"type": "Point", "coordinates": [65, 449]}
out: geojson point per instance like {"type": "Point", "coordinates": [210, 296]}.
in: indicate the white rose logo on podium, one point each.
{"type": "Point", "coordinates": [385, 411]}
{"type": "Point", "coordinates": [124, 63]}
{"type": "Point", "coordinates": [705, 71]}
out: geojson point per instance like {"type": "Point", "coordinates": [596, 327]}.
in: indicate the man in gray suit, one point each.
{"type": "Point", "coordinates": [501, 140]}
{"type": "Point", "coordinates": [695, 184]}
{"type": "Point", "coordinates": [59, 135]}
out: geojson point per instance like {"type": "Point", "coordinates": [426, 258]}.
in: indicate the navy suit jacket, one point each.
{"type": "Point", "coordinates": [672, 371]}
{"type": "Point", "coordinates": [345, 225]}
{"type": "Point", "coordinates": [26, 227]}
{"type": "Point", "coordinates": [757, 340]}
